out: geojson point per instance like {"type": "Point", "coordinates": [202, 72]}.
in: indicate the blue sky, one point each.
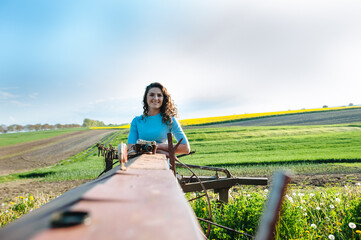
{"type": "Point", "coordinates": [63, 61]}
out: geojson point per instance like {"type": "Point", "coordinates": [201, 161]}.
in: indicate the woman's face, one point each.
{"type": "Point", "coordinates": [154, 98]}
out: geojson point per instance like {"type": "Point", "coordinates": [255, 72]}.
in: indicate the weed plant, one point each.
{"type": "Point", "coordinates": [321, 213]}
{"type": "Point", "coordinates": [17, 207]}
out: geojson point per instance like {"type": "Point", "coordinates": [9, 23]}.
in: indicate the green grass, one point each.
{"type": "Point", "coordinates": [240, 147]}
{"type": "Point", "coordinates": [245, 151]}
{"type": "Point", "coordinates": [8, 139]}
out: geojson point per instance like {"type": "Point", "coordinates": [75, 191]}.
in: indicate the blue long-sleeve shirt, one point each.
{"type": "Point", "coordinates": [151, 128]}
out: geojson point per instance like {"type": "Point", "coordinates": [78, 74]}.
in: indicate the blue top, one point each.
{"type": "Point", "coordinates": [151, 128]}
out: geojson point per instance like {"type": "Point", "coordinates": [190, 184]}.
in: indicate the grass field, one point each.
{"type": "Point", "coordinates": [250, 151]}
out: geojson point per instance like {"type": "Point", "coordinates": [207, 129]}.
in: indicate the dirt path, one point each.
{"type": "Point", "coordinates": [42, 153]}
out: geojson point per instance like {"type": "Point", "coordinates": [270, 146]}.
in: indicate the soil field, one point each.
{"type": "Point", "coordinates": [36, 154]}
{"type": "Point", "coordinates": [312, 118]}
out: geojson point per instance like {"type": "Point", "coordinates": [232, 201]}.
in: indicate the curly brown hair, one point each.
{"type": "Point", "coordinates": [168, 108]}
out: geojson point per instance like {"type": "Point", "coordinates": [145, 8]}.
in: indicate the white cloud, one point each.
{"type": "Point", "coordinates": [33, 95]}
{"type": "Point", "coordinates": [6, 95]}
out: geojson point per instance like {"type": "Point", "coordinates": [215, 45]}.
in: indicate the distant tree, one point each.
{"type": "Point", "coordinates": [58, 126]}
{"type": "Point", "coordinates": [37, 127]}
{"type": "Point", "coordinates": [325, 106]}
{"type": "Point", "coordinates": [28, 127]}
{"type": "Point", "coordinates": [44, 126]}
{"type": "Point", "coordinates": [11, 128]}
{"type": "Point", "coordinates": [18, 128]}
{"type": "Point", "coordinates": [92, 123]}
{"type": "Point", "coordinates": [351, 104]}
{"type": "Point", "coordinates": [3, 129]}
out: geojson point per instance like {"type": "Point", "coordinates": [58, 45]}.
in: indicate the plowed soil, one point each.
{"type": "Point", "coordinates": [307, 118]}
{"type": "Point", "coordinates": [41, 153]}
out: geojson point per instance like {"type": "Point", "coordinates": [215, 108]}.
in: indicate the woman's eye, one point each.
{"type": "Point", "coordinates": [160, 95]}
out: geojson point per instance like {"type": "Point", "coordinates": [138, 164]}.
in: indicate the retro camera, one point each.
{"type": "Point", "coordinates": [143, 146]}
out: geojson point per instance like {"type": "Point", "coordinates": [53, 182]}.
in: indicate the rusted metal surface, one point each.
{"type": "Point", "coordinates": [224, 183]}
{"type": "Point", "coordinates": [171, 151]}
{"type": "Point", "coordinates": [271, 214]}
{"type": "Point", "coordinates": [215, 169]}
{"type": "Point", "coordinates": [140, 203]}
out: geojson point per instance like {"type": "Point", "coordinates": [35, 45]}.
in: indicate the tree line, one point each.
{"type": "Point", "coordinates": [41, 127]}
{"type": "Point", "coordinates": [35, 127]}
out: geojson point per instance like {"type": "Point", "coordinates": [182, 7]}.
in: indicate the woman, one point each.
{"type": "Point", "coordinates": [157, 120]}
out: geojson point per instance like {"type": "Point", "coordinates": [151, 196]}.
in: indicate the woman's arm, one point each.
{"type": "Point", "coordinates": [182, 148]}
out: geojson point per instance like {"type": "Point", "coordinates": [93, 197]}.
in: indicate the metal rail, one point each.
{"type": "Point", "coordinates": [120, 205]}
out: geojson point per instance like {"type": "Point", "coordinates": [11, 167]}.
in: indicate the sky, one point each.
{"type": "Point", "coordinates": [64, 61]}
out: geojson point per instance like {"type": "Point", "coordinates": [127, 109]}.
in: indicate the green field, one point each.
{"type": "Point", "coordinates": [261, 150]}
{"type": "Point", "coordinates": [255, 151]}
{"type": "Point", "coordinates": [15, 138]}
{"type": "Point", "coordinates": [245, 151]}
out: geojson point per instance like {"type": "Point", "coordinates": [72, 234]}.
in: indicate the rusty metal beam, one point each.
{"type": "Point", "coordinates": [224, 183]}
{"type": "Point", "coordinates": [209, 168]}
{"type": "Point", "coordinates": [140, 203]}
{"type": "Point", "coordinates": [266, 229]}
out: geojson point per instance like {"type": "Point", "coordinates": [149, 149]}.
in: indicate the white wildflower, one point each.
{"type": "Point", "coordinates": [358, 184]}
{"type": "Point", "coordinates": [331, 206]}
{"type": "Point", "coordinates": [300, 194]}
{"type": "Point", "coordinates": [352, 225]}
{"type": "Point", "coordinates": [311, 194]}
{"type": "Point", "coordinates": [318, 208]}
{"type": "Point", "coordinates": [313, 226]}
{"type": "Point", "coordinates": [305, 214]}
{"type": "Point", "coordinates": [331, 237]}
{"type": "Point", "coordinates": [338, 200]}
{"type": "Point", "coordinates": [266, 190]}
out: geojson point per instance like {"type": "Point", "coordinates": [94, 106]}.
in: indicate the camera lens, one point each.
{"type": "Point", "coordinates": [148, 148]}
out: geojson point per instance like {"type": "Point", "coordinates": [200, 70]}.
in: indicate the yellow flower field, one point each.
{"type": "Point", "coordinates": [207, 120]}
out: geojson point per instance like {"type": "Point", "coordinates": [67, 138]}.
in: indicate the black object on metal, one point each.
{"type": "Point", "coordinates": [69, 218]}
